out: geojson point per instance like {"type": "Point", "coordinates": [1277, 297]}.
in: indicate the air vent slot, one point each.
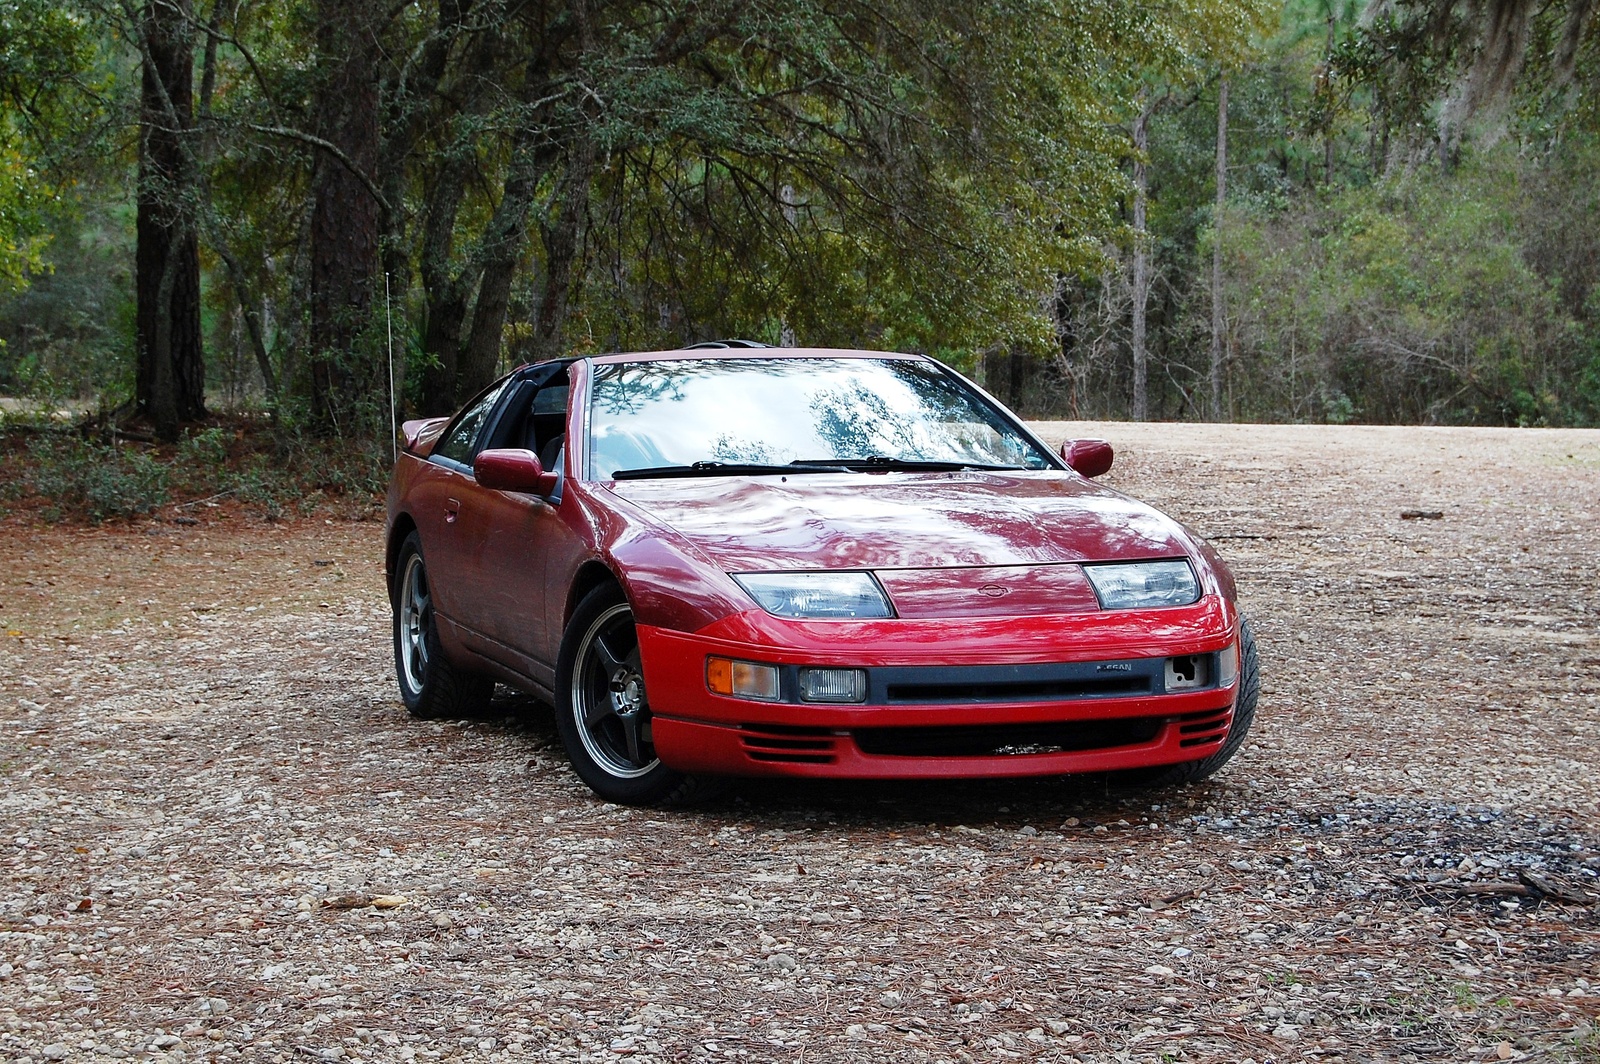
{"type": "Point", "coordinates": [1198, 729]}
{"type": "Point", "coordinates": [789, 745]}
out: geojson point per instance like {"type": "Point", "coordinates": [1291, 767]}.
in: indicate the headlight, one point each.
{"type": "Point", "coordinates": [813, 595]}
{"type": "Point", "coordinates": [1136, 585]}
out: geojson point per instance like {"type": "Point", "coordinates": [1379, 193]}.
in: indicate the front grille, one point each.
{"type": "Point", "coordinates": [789, 745]}
{"type": "Point", "coordinates": [1001, 740]}
{"type": "Point", "coordinates": [1018, 691]}
{"type": "Point", "coordinates": [976, 684]}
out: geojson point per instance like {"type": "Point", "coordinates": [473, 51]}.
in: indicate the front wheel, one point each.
{"type": "Point", "coordinates": [602, 710]}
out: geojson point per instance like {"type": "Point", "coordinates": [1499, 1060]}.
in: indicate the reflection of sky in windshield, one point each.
{"type": "Point", "coordinates": [777, 411]}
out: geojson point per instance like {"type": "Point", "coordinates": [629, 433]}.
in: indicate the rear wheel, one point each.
{"type": "Point", "coordinates": [603, 712]}
{"type": "Point", "coordinates": [1244, 714]}
{"type": "Point", "coordinates": [430, 686]}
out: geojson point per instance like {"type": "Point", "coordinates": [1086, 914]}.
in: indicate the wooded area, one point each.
{"type": "Point", "coordinates": [1318, 210]}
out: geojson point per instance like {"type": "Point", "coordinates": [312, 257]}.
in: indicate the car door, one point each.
{"type": "Point", "coordinates": [443, 487]}
{"type": "Point", "coordinates": [512, 533]}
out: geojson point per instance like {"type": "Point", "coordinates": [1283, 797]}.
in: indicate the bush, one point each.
{"type": "Point", "coordinates": [100, 480]}
{"type": "Point", "coordinates": [1413, 302]}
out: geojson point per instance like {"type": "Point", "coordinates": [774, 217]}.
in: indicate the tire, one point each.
{"type": "Point", "coordinates": [602, 712]}
{"type": "Point", "coordinates": [430, 685]}
{"type": "Point", "coordinates": [1244, 714]}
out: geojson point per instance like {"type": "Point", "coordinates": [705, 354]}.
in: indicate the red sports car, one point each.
{"type": "Point", "coordinates": [746, 561]}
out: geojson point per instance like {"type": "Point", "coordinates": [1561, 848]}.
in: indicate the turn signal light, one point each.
{"type": "Point", "coordinates": [742, 679]}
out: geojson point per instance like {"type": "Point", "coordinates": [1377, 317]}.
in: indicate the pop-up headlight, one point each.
{"type": "Point", "coordinates": [811, 596]}
{"type": "Point", "coordinates": [1140, 585]}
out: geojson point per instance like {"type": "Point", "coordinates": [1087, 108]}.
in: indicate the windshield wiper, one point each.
{"type": "Point", "coordinates": [922, 465]}
{"type": "Point", "coordinates": [869, 464]}
{"type": "Point", "coordinates": [726, 469]}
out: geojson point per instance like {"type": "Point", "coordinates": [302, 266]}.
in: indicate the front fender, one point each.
{"type": "Point", "coordinates": [669, 582]}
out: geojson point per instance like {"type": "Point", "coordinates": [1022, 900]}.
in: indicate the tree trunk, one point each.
{"type": "Point", "coordinates": [561, 240]}
{"type": "Point", "coordinates": [1141, 272]}
{"type": "Point", "coordinates": [248, 309]}
{"type": "Point", "coordinates": [1007, 375]}
{"type": "Point", "coordinates": [345, 364]}
{"type": "Point", "coordinates": [409, 99]}
{"type": "Point", "coordinates": [163, 389]}
{"type": "Point", "coordinates": [444, 293]}
{"type": "Point", "coordinates": [503, 243]}
{"type": "Point", "coordinates": [1216, 251]}
{"type": "Point", "coordinates": [169, 375]}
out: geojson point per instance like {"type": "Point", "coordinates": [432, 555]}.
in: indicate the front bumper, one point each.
{"type": "Point", "coordinates": [938, 725]}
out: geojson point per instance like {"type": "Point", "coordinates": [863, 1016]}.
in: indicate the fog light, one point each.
{"type": "Point", "coordinates": [742, 679]}
{"type": "Point", "coordinates": [1188, 672]}
{"type": "Point", "coordinates": [833, 685]}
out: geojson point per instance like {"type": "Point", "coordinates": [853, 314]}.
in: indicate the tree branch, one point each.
{"type": "Point", "coordinates": [333, 150]}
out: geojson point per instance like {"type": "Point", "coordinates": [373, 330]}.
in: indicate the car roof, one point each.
{"type": "Point", "coordinates": [724, 353]}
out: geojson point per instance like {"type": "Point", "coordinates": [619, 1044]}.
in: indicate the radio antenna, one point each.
{"type": "Point", "coordinates": [388, 320]}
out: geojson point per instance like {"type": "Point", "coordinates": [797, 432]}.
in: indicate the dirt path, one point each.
{"type": "Point", "coordinates": [200, 746]}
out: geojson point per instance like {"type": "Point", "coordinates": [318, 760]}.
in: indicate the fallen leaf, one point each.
{"type": "Point", "coordinates": [389, 901]}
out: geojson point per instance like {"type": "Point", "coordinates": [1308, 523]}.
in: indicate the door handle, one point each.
{"type": "Point", "coordinates": [452, 510]}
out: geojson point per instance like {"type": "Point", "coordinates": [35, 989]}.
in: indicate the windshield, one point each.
{"type": "Point", "coordinates": [742, 415]}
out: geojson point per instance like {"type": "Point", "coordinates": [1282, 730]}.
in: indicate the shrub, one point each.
{"type": "Point", "coordinates": [101, 480]}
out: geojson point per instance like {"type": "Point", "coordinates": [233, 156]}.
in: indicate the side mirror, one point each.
{"type": "Point", "coordinates": [1088, 458]}
{"type": "Point", "coordinates": [512, 469]}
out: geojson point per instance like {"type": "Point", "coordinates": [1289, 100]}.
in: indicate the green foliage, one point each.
{"type": "Point", "coordinates": [949, 178]}
{"type": "Point", "coordinates": [1413, 301]}
{"type": "Point", "coordinates": [912, 175]}
{"type": "Point", "coordinates": [21, 241]}
{"type": "Point", "coordinates": [1386, 256]}
{"type": "Point", "coordinates": [98, 480]}
{"type": "Point", "coordinates": [277, 468]}
{"type": "Point", "coordinates": [47, 54]}
{"type": "Point", "coordinates": [69, 333]}
{"type": "Point", "coordinates": [270, 472]}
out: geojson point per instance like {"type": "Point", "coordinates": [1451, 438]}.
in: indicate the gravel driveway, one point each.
{"type": "Point", "coordinates": [206, 777]}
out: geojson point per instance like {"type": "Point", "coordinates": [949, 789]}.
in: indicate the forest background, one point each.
{"type": "Point", "coordinates": [1309, 211]}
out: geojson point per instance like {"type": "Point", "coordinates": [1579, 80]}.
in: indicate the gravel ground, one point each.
{"type": "Point", "coordinates": [201, 749]}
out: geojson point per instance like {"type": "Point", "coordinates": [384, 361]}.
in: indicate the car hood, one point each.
{"type": "Point", "coordinates": [887, 521]}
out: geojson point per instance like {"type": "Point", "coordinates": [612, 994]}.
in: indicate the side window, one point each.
{"type": "Point", "coordinates": [456, 444]}
{"type": "Point", "coordinates": [549, 423]}
{"type": "Point", "coordinates": [535, 418]}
